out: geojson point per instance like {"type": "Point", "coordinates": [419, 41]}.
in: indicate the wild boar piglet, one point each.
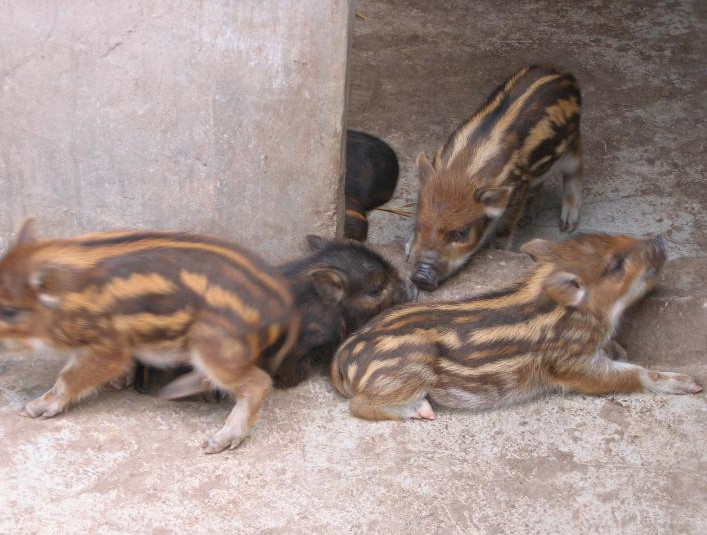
{"type": "Point", "coordinates": [337, 289]}
{"type": "Point", "coordinates": [548, 333]}
{"type": "Point", "coordinates": [482, 178]}
{"type": "Point", "coordinates": [162, 298]}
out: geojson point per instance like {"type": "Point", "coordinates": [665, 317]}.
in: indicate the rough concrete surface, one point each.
{"type": "Point", "coordinates": [218, 117]}
{"type": "Point", "coordinates": [125, 463]}
{"type": "Point", "coordinates": [419, 68]}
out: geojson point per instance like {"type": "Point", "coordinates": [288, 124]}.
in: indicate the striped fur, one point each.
{"type": "Point", "coordinates": [485, 173]}
{"type": "Point", "coordinates": [337, 289]}
{"type": "Point", "coordinates": [544, 334]}
{"type": "Point", "coordinates": [164, 298]}
{"type": "Point", "coordinates": [355, 220]}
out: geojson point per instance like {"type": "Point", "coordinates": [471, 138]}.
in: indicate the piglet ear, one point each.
{"type": "Point", "coordinates": [26, 234]}
{"type": "Point", "coordinates": [565, 288]}
{"type": "Point", "coordinates": [494, 199]}
{"type": "Point", "coordinates": [538, 249]}
{"type": "Point", "coordinates": [329, 283]}
{"type": "Point", "coordinates": [38, 282]}
{"type": "Point", "coordinates": [424, 167]}
{"type": "Point", "coordinates": [316, 243]}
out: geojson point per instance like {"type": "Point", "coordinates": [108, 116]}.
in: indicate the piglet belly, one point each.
{"type": "Point", "coordinates": [162, 357]}
{"type": "Point", "coordinates": [458, 398]}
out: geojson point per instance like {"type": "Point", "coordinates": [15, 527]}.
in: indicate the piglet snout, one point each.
{"type": "Point", "coordinates": [425, 277]}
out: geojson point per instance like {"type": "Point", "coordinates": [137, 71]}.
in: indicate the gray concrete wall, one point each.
{"type": "Point", "coordinates": [219, 117]}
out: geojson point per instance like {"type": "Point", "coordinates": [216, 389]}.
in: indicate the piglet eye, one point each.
{"type": "Point", "coordinates": [617, 265]}
{"type": "Point", "coordinates": [8, 313]}
{"type": "Point", "coordinates": [461, 234]}
{"type": "Point", "coordinates": [375, 292]}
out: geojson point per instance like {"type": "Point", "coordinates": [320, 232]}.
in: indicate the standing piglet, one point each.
{"type": "Point", "coordinates": [548, 333]}
{"type": "Point", "coordinates": [163, 298]}
{"type": "Point", "coordinates": [337, 289]}
{"type": "Point", "coordinates": [485, 172]}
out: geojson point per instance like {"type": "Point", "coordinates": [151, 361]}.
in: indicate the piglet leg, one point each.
{"type": "Point", "coordinates": [250, 390]}
{"type": "Point", "coordinates": [605, 376]}
{"type": "Point", "coordinates": [124, 381]}
{"type": "Point", "coordinates": [670, 383]}
{"type": "Point", "coordinates": [230, 365]}
{"type": "Point", "coordinates": [571, 170]}
{"type": "Point", "coordinates": [84, 373]}
{"type": "Point", "coordinates": [418, 408]}
{"type": "Point", "coordinates": [186, 385]}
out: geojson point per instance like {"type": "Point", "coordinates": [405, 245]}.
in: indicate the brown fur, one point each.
{"type": "Point", "coordinates": [483, 176]}
{"type": "Point", "coordinates": [164, 298]}
{"type": "Point", "coordinates": [548, 333]}
{"type": "Point", "coordinates": [337, 289]}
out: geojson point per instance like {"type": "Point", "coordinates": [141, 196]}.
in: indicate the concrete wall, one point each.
{"type": "Point", "coordinates": [215, 116]}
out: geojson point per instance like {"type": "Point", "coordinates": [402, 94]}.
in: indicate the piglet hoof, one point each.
{"type": "Point", "coordinates": [42, 408]}
{"type": "Point", "coordinates": [217, 443]}
{"type": "Point", "coordinates": [672, 383]}
{"type": "Point", "coordinates": [119, 383]}
{"type": "Point", "coordinates": [424, 411]}
{"type": "Point", "coordinates": [569, 219]}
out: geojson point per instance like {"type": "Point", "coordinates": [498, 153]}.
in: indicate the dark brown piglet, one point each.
{"type": "Point", "coordinates": [371, 177]}
{"type": "Point", "coordinates": [337, 289]}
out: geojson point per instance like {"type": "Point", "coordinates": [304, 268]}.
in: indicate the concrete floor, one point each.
{"type": "Point", "coordinates": [421, 68]}
{"type": "Point", "coordinates": [125, 463]}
